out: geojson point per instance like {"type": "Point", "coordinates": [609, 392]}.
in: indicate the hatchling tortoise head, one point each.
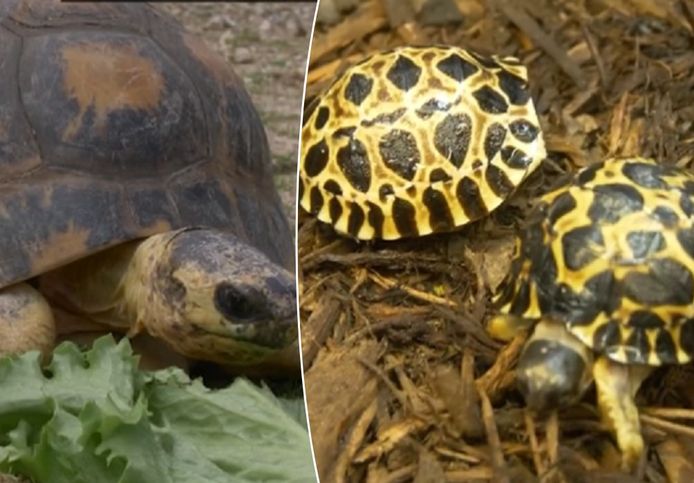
{"type": "Point", "coordinates": [418, 140]}
{"type": "Point", "coordinates": [605, 269]}
{"type": "Point", "coordinates": [116, 124]}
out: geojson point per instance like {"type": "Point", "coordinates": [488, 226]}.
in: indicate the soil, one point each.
{"type": "Point", "coordinates": [403, 383]}
{"type": "Point", "coordinates": [266, 44]}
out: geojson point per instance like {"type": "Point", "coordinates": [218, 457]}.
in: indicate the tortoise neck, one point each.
{"type": "Point", "coordinates": [92, 288]}
{"type": "Point", "coordinates": [141, 286]}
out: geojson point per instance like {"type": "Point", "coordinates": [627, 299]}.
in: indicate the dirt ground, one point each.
{"type": "Point", "coordinates": [403, 382]}
{"type": "Point", "coordinates": [266, 44]}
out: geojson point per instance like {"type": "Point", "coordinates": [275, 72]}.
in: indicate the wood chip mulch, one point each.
{"type": "Point", "coordinates": [403, 383]}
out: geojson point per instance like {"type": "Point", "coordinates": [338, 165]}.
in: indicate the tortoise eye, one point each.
{"type": "Point", "coordinates": [234, 304]}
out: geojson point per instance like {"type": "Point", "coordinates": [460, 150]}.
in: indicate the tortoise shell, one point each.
{"type": "Point", "coordinates": [611, 254]}
{"type": "Point", "coordinates": [116, 124]}
{"type": "Point", "coordinates": [418, 140]}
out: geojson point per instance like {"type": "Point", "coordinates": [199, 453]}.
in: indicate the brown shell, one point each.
{"type": "Point", "coordinates": [116, 124]}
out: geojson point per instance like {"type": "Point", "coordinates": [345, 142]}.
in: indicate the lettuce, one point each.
{"type": "Point", "coordinates": [93, 416]}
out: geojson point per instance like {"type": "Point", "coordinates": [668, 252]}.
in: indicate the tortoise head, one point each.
{"type": "Point", "coordinates": [214, 297]}
{"type": "Point", "coordinates": [554, 369]}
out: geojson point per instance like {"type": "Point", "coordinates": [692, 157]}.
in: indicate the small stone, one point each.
{"type": "Point", "coordinates": [243, 55]}
{"type": "Point", "coordinates": [266, 27]}
{"type": "Point", "coordinates": [219, 22]}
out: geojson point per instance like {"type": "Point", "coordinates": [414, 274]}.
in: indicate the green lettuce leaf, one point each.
{"type": "Point", "coordinates": [93, 416]}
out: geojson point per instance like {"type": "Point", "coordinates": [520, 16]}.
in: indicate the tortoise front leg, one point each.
{"type": "Point", "coordinates": [616, 386]}
{"type": "Point", "coordinates": [26, 321]}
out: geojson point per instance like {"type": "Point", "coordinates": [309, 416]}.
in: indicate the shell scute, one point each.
{"type": "Point", "coordinates": [451, 133]}
{"type": "Point", "coordinates": [611, 255]}
{"type": "Point", "coordinates": [116, 125]}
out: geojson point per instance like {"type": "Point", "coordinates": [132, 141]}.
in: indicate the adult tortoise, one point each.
{"type": "Point", "coordinates": [135, 187]}
{"type": "Point", "coordinates": [418, 140]}
{"type": "Point", "coordinates": [604, 273]}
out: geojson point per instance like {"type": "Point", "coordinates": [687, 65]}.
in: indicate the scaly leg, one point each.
{"type": "Point", "coordinates": [26, 321]}
{"type": "Point", "coordinates": [505, 326]}
{"type": "Point", "coordinates": [616, 386]}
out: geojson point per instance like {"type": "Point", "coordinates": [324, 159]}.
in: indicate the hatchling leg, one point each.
{"type": "Point", "coordinates": [616, 386]}
{"type": "Point", "coordinates": [26, 321]}
{"type": "Point", "coordinates": [505, 327]}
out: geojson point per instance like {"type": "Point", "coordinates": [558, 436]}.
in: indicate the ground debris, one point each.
{"type": "Point", "coordinates": [334, 428]}
{"type": "Point", "coordinates": [609, 78]}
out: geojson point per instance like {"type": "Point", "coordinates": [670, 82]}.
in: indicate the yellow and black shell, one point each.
{"type": "Point", "coordinates": [116, 124]}
{"type": "Point", "coordinates": [611, 255]}
{"type": "Point", "coordinates": [418, 140]}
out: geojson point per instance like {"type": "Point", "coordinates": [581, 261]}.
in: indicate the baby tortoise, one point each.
{"type": "Point", "coordinates": [418, 140]}
{"type": "Point", "coordinates": [136, 188]}
{"type": "Point", "coordinates": [605, 274]}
